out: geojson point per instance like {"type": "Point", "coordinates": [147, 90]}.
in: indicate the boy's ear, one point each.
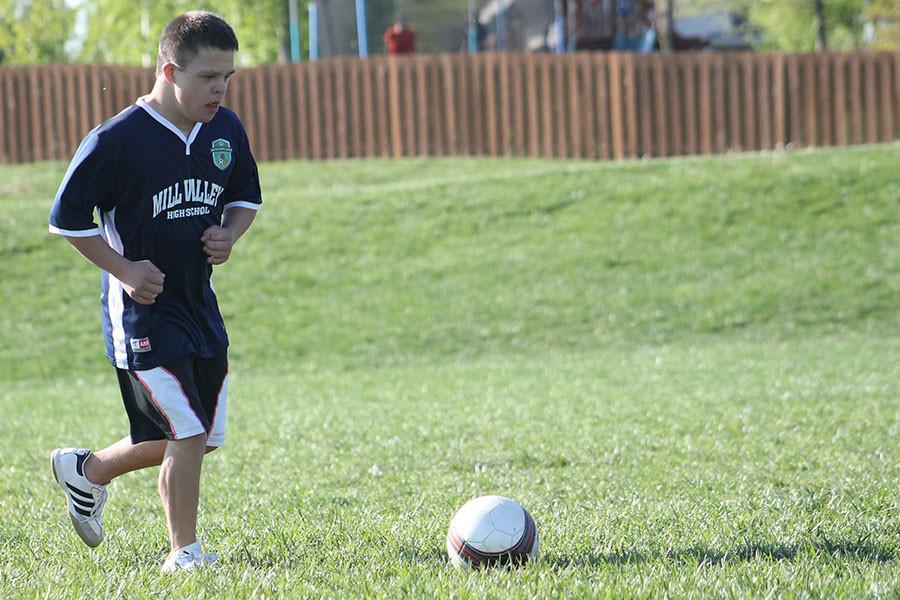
{"type": "Point", "coordinates": [168, 71]}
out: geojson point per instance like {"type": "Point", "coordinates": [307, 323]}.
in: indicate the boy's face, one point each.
{"type": "Point", "coordinates": [200, 85]}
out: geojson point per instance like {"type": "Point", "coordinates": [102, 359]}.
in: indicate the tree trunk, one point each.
{"type": "Point", "coordinates": [666, 33]}
{"type": "Point", "coordinates": [821, 39]}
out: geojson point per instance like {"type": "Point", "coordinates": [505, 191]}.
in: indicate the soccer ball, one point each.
{"type": "Point", "coordinates": [491, 530]}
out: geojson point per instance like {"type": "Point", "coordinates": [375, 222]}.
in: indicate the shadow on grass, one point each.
{"type": "Point", "coordinates": [844, 550]}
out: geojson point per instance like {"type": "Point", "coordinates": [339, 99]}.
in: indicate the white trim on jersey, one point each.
{"type": "Point", "coordinates": [172, 402]}
{"type": "Point", "coordinates": [86, 146]}
{"type": "Point", "coordinates": [77, 234]}
{"type": "Point", "coordinates": [171, 127]}
{"type": "Point", "coordinates": [114, 293]}
{"type": "Point", "coordinates": [242, 204]}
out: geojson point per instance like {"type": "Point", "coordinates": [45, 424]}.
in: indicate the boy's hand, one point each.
{"type": "Point", "coordinates": [217, 243]}
{"type": "Point", "coordinates": [142, 281]}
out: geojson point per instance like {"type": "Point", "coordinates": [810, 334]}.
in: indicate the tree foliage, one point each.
{"type": "Point", "coordinates": [790, 24]}
{"type": "Point", "coordinates": [34, 31]}
{"type": "Point", "coordinates": [128, 32]}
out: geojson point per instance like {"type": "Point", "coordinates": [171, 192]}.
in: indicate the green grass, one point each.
{"type": "Point", "coordinates": [687, 371]}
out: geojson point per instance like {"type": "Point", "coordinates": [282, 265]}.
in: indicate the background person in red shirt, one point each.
{"type": "Point", "coordinates": [399, 39]}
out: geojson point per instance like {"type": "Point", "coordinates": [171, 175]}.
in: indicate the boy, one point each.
{"type": "Point", "coordinates": [175, 186]}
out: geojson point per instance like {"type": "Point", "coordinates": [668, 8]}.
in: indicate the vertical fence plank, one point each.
{"type": "Point", "coordinates": [367, 71]}
{"type": "Point", "coordinates": [490, 102]}
{"type": "Point", "coordinates": [794, 111]}
{"type": "Point", "coordinates": [839, 104]}
{"type": "Point", "coordinates": [531, 105]}
{"type": "Point", "coordinates": [24, 116]}
{"type": "Point", "coordinates": [856, 117]}
{"type": "Point", "coordinates": [70, 87]}
{"type": "Point", "coordinates": [49, 125]}
{"type": "Point", "coordinates": [720, 127]}
{"type": "Point", "coordinates": [480, 121]}
{"type": "Point", "coordinates": [616, 119]}
{"type": "Point", "coordinates": [735, 124]}
{"type": "Point", "coordinates": [394, 100]}
{"type": "Point", "coordinates": [676, 95]}
{"type": "Point", "coordinates": [435, 99]}
{"type": "Point", "coordinates": [423, 109]}
{"type": "Point", "coordinates": [329, 106]}
{"type": "Point", "coordinates": [896, 101]}
{"type": "Point", "coordinates": [341, 100]}
{"type": "Point", "coordinates": [749, 102]}
{"type": "Point", "coordinates": [870, 89]}
{"type": "Point", "coordinates": [576, 122]}
{"type": "Point", "coordinates": [546, 104]}
{"type": "Point", "coordinates": [810, 108]}
{"type": "Point", "coordinates": [505, 108]}
{"type": "Point", "coordinates": [660, 102]}
{"type": "Point", "coordinates": [764, 100]}
{"type": "Point", "coordinates": [5, 110]}
{"type": "Point", "coordinates": [275, 109]}
{"type": "Point", "coordinates": [705, 113]}
{"type": "Point", "coordinates": [778, 100]}
{"type": "Point", "coordinates": [315, 110]}
{"type": "Point", "coordinates": [517, 122]}
{"type": "Point", "coordinates": [586, 94]}
{"type": "Point", "coordinates": [289, 108]}
{"type": "Point", "coordinates": [825, 94]}
{"type": "Point", "coordinates": [304, 125]}
{"type": "Point", "coordinates": [463, 103]}
{"type": "Point", "coordinates": [408, 102]}
{"type": "Point", "coordinates": [354, 94]}
{"type": "Point", "coordinates": [629, 88]}
{"type": "Point", "coordinates": [35, 139]}
{"type": "Point", "coordinates": [450, 95]}
{"type": "Point", "coordinates": [644, 97]}
{"type": "Point", "coordinates": [560, 112]}
{"type": "Point", "coordinates": [381, 141]}
{"type": "Point", "coordinates": [690, 103]}
{"type": "Point", "coordinates": [885, 94]}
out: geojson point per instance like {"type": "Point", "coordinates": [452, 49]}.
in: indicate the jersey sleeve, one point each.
{"type": "Point", "coordinates": [88, 184]}
{"type": "Point", "coordinates": [243, 186]}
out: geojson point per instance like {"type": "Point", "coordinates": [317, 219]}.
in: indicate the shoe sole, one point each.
{"type": "Point", "coordinates": [93, 543]}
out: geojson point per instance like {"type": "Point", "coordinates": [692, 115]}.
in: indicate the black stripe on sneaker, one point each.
{"type": "Point", "coordinates": [79, 462]}
{"type": "Point", "coordinates": [81, 511]}
{"type": "Point", "coordinates": [79, 492]}
{"type": "Point", "coordinates": [82, 503]}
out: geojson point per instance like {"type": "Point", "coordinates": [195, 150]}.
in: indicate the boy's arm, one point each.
{"type": "Point", "coordinates": [218, 241]}
{"type": "Point", "coordinates": [141, 279]}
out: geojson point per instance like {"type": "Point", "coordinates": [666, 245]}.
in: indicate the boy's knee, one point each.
{"type": "Point", "coordinates": [211, 448]}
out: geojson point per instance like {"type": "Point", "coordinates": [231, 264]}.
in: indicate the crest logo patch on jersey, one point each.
{"type": "Point", "coordinates": [221, 153]}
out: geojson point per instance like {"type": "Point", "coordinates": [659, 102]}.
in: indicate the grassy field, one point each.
{"type": "Point", "coordinates": [687, 371]}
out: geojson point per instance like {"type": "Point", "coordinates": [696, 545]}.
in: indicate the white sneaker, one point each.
{"type": "Point", "coordinates": [85, 498]}
{"type": "Point", "coordinates": [189, 558]}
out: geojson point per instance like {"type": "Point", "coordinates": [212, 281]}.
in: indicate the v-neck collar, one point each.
{"type": "Point", "coordinates": [171, 126]}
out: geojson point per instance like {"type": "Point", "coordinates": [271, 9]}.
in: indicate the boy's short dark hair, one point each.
{"type": "Point", "coordinates": [187, 33]}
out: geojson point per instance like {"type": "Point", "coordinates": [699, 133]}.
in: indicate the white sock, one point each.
{"type": "Point", "coordinates": [190, 549]}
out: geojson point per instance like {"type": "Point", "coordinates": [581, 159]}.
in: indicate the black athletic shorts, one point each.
{"type": "Point", "coordinates": [177, 400]}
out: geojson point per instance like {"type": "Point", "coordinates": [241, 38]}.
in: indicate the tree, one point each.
{"type": "Point", "coordinates": [128, 32]}
{"type": "Point", "coordinates": [792, 25]}
{"type": "Point", "coordinates": [35, 31]}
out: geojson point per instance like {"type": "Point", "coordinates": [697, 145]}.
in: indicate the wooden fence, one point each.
{"type": "Point", "coordinates": [584, 105]}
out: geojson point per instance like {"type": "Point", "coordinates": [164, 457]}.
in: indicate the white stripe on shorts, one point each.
{"type": "Point", "coordinates": [172, 403]}
{"type": "Point", "coordinates": [217, 435]}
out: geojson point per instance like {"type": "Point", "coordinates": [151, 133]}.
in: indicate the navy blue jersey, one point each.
{"type": "Point", "coordinates": [155, 192]}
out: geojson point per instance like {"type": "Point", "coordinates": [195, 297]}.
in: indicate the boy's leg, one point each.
{"type": "Point", "coordinates": [179, 488]}
{"type": "Point", "coordinates": [124, 457]}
